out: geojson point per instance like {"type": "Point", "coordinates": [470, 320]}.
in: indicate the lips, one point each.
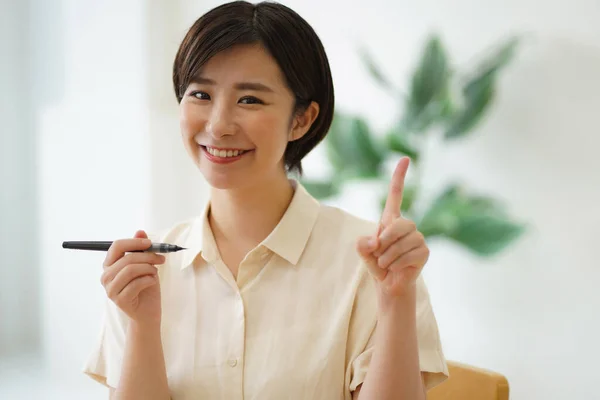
{"type": "Point", "coordinates": [222, 155]}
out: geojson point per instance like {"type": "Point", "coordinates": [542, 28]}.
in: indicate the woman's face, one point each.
{"type": "Point", "coordinates": [236, 118]}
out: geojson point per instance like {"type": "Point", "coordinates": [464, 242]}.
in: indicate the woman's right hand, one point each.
{"type": "Point", "coordinates": [131, 279]}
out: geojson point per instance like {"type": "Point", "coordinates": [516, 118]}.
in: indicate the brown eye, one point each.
{"type": "Point", "coordinates": [250, 100]}
{"type": "Point", "coordinates": [200, 95]}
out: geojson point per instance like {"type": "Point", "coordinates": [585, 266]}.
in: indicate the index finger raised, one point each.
{"type": "Point", "coordinates": [394, 199]}
{"type": "Point", "coordinates": [122, 246]}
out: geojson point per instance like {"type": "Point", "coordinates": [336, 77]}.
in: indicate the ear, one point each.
{"type": "Point", "coordinates": [301, 123]}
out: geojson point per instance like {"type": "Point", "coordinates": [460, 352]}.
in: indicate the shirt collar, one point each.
{"type": "Point", "coordinates": [288, 239]}
{"type": "Point", "coordinates": [193, 241]}
{"type": "Point", "coordinates": [290, 236]}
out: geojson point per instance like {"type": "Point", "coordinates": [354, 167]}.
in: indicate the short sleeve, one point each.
{"type": "Point", "coordinates": [106, 358]}
{"type": "Point", "coordinates": [431, 357]}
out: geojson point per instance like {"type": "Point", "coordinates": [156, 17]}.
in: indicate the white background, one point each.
{"type": "Point", "coordinates": [90, 149]}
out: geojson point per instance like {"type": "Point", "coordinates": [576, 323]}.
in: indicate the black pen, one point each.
{"type": "Point", "coordinates": [104, 246]}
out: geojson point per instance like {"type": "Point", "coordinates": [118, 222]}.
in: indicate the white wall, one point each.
{"type": "Point", "coordinates": [94, 170]}
{"type": "Point", "coordinates": [529, 314]}
{"type": "Point", "coordinates": [19, 286]}
{"type": "Point", "coordinates": [110, 157]}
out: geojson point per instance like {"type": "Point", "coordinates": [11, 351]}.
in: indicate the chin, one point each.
{"type": "Point", "coordinates": [224, 181]}
{"type": "Point", "coordinates": [222, 184]}
{"type": "Point", "coordinates": [239, 174]}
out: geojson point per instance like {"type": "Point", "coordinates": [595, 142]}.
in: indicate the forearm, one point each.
{"type": "Point", "coordinates": [394, 371]}
{"type": "Point", "coordinates": [144, 374]}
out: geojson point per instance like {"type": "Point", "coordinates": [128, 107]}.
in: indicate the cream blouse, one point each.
{"type": "Point", "coordinates": [298, 322]}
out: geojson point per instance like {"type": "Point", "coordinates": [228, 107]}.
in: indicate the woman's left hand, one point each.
{"type": "Point", "coordinates": [397, 252]}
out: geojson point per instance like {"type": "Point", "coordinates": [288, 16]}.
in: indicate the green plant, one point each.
{"type": "Point", "coordinates": [432, 108]}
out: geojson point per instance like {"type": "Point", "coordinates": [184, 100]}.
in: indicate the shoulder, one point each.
{"type": "Point", "coordinates": [186, 233]}
{"type": "Point", "coordinates": [179, 232]}
{"type": "Point", "coordinates": [338, 229]}
{"type": "Point", "coordinates": [341, 222]}
{"type": "Point", "coordinates": [332, 244]}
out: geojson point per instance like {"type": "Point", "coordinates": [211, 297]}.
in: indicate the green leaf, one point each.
{"type": "Point", "coordinates": [478, 97]}
{"type": "Point", "coordinates": [431, 76]}
{"type": "Point", "coordinates": [353, 150]}
{"type": "Point", "coordinates": [479, 90]}
{"type": "Point", "coordinates": [368, 153]}
{"type": "Point", "coordinates": [429, 87]}
{"type": "Point", "coordinates": [334, 142]}
{"type": "Point", "coordinates": [486, 234]}
{"type": "Point", "coordinates": [374, 70]}
{"type": "Point", "coordinates": [498, 58]}
{"type": "Point", "coordinates": [442, 216]}
{"type": "Point", "coordinates": [484, 204]}
{"type": "Point", "coordinates": [321, 189]}
{"type": "Point", "coordinates": [445, 107]}
{"type": "Point", "coordinates": [431, 114]}
{"type": "Point", "coordinates": [400, 142]}
{"type": "Point", "coordinates": [478, 223]}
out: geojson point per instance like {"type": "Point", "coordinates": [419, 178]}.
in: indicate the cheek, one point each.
{"type": "Point", "coordinates": [190, 120]}
{"type": "Point", "coordinates": [270, 132]}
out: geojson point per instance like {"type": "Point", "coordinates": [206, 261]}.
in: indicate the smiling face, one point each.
{"type": "Point", "coordinates": [237, 117]}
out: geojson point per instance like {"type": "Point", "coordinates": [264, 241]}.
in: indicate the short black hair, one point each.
{"type": "Point", "coordinates": [290, 40]}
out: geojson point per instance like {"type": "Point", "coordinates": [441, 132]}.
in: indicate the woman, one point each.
{"type": "Point", "coordinates": [276, 296]}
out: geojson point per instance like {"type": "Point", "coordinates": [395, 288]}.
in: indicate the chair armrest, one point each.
{"type": "Point", "coordinates": [469, 382]}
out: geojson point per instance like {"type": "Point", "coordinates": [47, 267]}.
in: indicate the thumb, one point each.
{"type": "Point", "coordinates": [140, 235]}
{"type": "Point", "coordinates": [365, 247]}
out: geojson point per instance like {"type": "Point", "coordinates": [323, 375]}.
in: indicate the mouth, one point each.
{"type": "Point", "coordinates": [223, 156]}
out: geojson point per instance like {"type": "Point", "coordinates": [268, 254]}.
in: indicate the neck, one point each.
{"type": "Point", "coordinates": [247, 215]}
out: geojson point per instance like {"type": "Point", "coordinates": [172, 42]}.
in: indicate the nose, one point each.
{"type": "Point", "coordinates": [220, 122]}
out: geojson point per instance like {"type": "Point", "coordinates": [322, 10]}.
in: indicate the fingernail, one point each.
{"type": "Point", "coordinates": [372, 243]}
{"type": "Point", "coordinates": [147, 242]}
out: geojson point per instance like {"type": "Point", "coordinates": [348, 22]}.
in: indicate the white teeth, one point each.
{"type": "Point", "coordinates": [224, 153]}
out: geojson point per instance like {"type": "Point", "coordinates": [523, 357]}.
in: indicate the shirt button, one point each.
{"type": "Point", "coordinates": [232, 363]}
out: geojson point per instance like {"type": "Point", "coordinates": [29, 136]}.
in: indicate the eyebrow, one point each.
{"type": "Point", "coordinates": [255, 86]}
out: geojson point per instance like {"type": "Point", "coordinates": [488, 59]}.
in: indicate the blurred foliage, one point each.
{"type": "Point", "coordinates": [439, 102]}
